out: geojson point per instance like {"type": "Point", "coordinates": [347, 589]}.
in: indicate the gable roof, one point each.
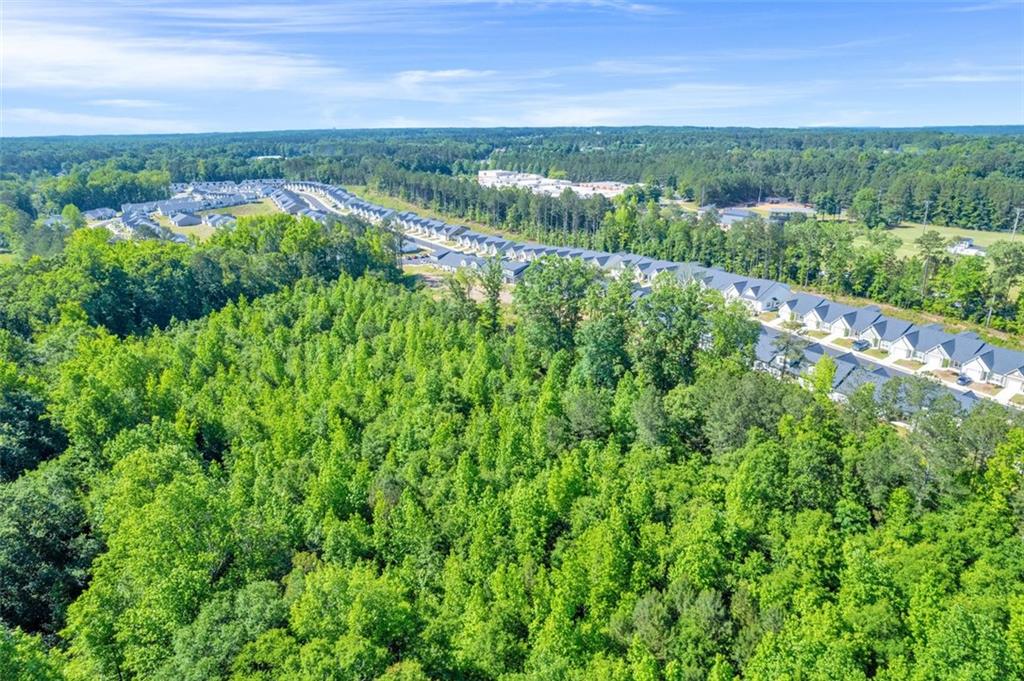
{"type": "Point", "coordinates": [1001, 360]}
{"type": "Point", "coordinates": [861, 319]}
{"type": "Point", "coordinates": [963, 346]}
{"type": "Point", "coordinates": [891, 329]}
{"type": "Point", "coordinates": [802, 303]}
{"type": "Point", "coordinates": [830, 312]}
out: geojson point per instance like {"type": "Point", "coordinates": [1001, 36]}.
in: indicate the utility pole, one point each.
{"type": "Point", "coordinates": [1016, 222]}
{"type": "Point", "coordinates": [927, 205]}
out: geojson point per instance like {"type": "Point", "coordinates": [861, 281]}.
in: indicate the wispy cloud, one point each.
{"type": "Point", "coordinates": [233, 64]}
{"type": "Point", "coordinates": [128, 103]}
{"type": "Point", "coordinates": [350, 16]}
{"type": "Point", "coordinates": [46, 55]}
{"type": "Point", "coordinates": [963, 73]}
{"type": "Point", "coordinates": [676, 104]}
{"type": "Point", "coordinates": [985, 6]}
{"type": "Point", "coordinates": [650, 67]}
{"type": "Point", "coordinates": [72, 123]}
{"type": "Point", "coordinates": [416, 78]}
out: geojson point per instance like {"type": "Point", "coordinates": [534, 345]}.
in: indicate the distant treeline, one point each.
{"type": "Point", "coordinates": [971, 180]}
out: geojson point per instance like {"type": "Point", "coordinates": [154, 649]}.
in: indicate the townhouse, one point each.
{"type": "Point", "coordinates": [998, 366]}
{"type": "Point", "coordinates": [856, 322]}
{"type": "Point", "coordinates": [100, 214]}
{"type": "Point", "coordinates": [758, 295]}
{"type": "Point", "coordinates": [885, 331]}
{"type": "Point", "coordinates": [219, 220]}
{"type": "Point", "coordinates": [821, 317]}
{"type": "Point", "coordinates": [796, 308]}
{"type": "Point", "coordinates": [929, 344]}
{"type": "Point", "coordinates": [184, 220]}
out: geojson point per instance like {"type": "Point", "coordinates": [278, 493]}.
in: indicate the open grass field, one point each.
{"type": "Point", "coordinates": [400, 205]}
{"type": "Point", "coordinates": [261, 207]}
{"type": "Point", "coordinates": [200, 232]}
{"type": "Point", "coordinates": [909, 232]}
{"type": "Point", "coordinates": [204, 232]}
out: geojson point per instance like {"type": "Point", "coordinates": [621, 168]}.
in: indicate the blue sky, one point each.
{"type": "Point", "coordinates": [151, 66]}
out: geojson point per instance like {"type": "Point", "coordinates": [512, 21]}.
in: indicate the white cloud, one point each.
{"type": "Point", "coordinates": [986, 6]}
{"type": "Point", "coordinates": [128, 103]}
{"type": "Point", "coordinates": [347, 16]}
{"type": "Point", "coordinates": [965, 73]}
{"type": "Point", "coordinates": [43, 55]}
{"type": "Point", "coordinates": [677, 104]}
{"type": "Point", "coordinates": [64, 123]}
{"type": "Point", "coordinates": [418, 77]}
{"type": "Point", "coordinates": [627, 67]}
{"type": "Point", "coordinates": [968, 78]}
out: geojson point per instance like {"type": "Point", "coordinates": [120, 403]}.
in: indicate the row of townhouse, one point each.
{"type": "Point", "coordinates": [852, 373]}
{"type": "Point", "coordinates": [140, 225]}
{"type": "Point", "coordinates": [250, 189]}
{"type": "Point", "coordinates": [338, 198]}
{"type": "Point", "coordinates": [452, 261]}
{"type": "Point", "coordinates": [169, 207]}
{"type": "Point", "coordinates": [930, 345]}
{"type": "Point", "coordinates": [287, 201]}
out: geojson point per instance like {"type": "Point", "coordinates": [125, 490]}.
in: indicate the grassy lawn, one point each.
{"type": "Point", "coordinates": [984, 388]}
{"type": "Point", "coordinates": [204, 232]}
{"type": "Point", "coordinates": [911, 364]}
{"type": "Point", "coordinates": [401, 205]}
{"type": "Point", "coordinates": [429, 277]}
{"type": "Point", "coordinates": [946, 374]}
{"type": "Point", "coordinates": [908, 232]}
{"type": "Point", "coordinates": [200, 232]}
{"type": "Point", "coordinates": [1017, 400]}
{"type": "Point", "coordinates": [844, 342]}
{"type": "Point", "coordinates": [768, 316]}
{"type": "Point", "coordinates": [261, 207]}
{"type": "Point", "coordinates": [817, 334]}
{"type": "Point", "coordinates": [877, 353]}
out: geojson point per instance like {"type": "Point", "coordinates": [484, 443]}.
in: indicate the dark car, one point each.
{"type": "Point", "coordinates": [963, 379]}
{"type": "Point", "coordinates": [860, 345]}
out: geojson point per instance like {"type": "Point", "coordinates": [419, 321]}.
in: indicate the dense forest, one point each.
{"type": "Point", "coordinates": [271, 456]}
{"type": "Point", "coordinates": [878, 177]}
{"type": "Point", "coordinates": [952, 178]}
{"type": "Point", "coordinates": [829, 256]}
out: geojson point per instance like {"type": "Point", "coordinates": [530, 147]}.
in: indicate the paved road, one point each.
{"type": "Point", "coordinates": [315, 202]}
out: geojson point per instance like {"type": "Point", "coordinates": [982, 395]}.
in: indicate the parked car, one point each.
{"type": "Point", "coordinates": [860, 345]}
{"type": "Point", "coordinates": [963, 379]}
